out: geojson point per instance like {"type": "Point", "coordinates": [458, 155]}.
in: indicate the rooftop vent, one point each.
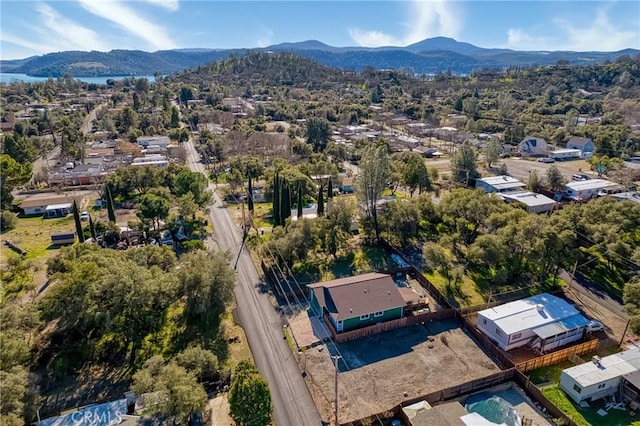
{"type": "Point", "coordinates": [540, 307]}
{"type": "Point", "coordinates": [596, 360]}
{"type": "Point", "coordinates": [365, 290]}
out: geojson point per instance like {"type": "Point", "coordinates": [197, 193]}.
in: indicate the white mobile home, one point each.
{"type": "Point", "coordinates": [534, 203]}
{"type": "Point", "coordinates": [599, 378]}
{"type": "Point", "coordinates": [565, 154]}
{"type": "Point", "coordinates": [542, 322]}
{"type": "Point", "coordinates": [586, 189]}
{"type": "Point", "coordinates": [499, 184]}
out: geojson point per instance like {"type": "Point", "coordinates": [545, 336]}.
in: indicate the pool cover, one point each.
{"type": "Point", "coordinates": [494, 409]}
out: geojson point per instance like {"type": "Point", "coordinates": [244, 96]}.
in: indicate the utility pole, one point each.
{"type": "Point", "coordinates": [573, 274]}
{"type": "Point", "coordinates": [335, 360]}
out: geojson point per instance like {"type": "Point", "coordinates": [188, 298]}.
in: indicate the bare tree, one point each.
{"type": "Point", "coordinates": [372, 180]}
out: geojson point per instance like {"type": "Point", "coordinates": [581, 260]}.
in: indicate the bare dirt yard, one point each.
{"type": "Point", "coordinates": [383, 370]}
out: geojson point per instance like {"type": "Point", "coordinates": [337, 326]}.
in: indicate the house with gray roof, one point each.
{"type": "Point", "coordinates": [354, 302]}
{"type": "Point", "coordinates": [583, 144]}
{"type": "Point", "coordinates": [532, 146]}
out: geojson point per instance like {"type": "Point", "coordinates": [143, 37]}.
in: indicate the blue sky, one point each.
{"type": "Point", "coordinates": [30, 27]}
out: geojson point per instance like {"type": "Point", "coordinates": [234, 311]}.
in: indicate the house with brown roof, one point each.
{"type": "Point", "coordinates": [355, 302]}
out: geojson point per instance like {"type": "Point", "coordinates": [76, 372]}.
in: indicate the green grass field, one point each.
{"type": "Point", "coordinates": [34, 235]}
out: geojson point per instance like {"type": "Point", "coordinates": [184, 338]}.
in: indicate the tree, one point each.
{"type": "Point", "coordinates": [463, 164]}
{"type": "Point", "coordinates": [320, 201]}
{"type": "Point", "coordinates": [154, 208]}
{"type": "Point", "coordinates": [175, 118]}
{"type": "Point", "coordinates": [187, 205]}
{"type": "Point", "coordinates": [12, 174]}
{"type": "Point", "coordinates": [554, 177]}
{"type": "Point", "coordinates": [206, 282]}
{"type": "Point", "coordinates": [440, 259]}
{"type": "Point", "coordinates": [492, 151]}
{"type": "Point", "coordinates": [632, 303]}
{"type": "Point", "coordinates": [198, 361]}
{"type": "Point", "coordinates": [182, 395]}
{"type": "Point", "coordinates": [372, 180]}
{"type": "Point", "coordinates": [111, 212]}
{"type": "Point", "coordinates": [300, 201]}
{"type": "Point", "coordinates": [195, 183]}
{"type": "Point", "coordinates": [76, 219]}
{"type": "Point", "coordinates": [250, 193]}
{"type": "Point", "coordinates": [330, 189]}
{"type": "Point", "coordinates": [249, 397]}
{"type": "Point", "coordinates": [412, 172]}
{"type": "Point", "coordinates": [13, 385]}
{"type": "Point", "coordinates": [19, 148]}
{"type": "Point", "coordinates": [276, 200]}
{"type": "Point", "coordinates": [534, 184]}
{"type": "Point", "coordinates": [318, 133]}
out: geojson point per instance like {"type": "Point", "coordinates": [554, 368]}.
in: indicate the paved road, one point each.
{"type": "Point", "coordinates": [595, 293]}
{"type": "Point", "coordinates": [292, 401]}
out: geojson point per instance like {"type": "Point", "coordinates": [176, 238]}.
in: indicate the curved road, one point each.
{"type": "Point", "coordinates": [292, 401]}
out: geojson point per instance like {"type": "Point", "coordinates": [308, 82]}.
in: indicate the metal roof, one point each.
{"type": "Point", "coordinates": [59, 206]}
{"type": "Point", "coordinates": [529, 313]}
{"type": "Point", "coordinates": [589, 184]}
{"type": "Point", "coordinates": [531, 199]}
{"type": "Point", "coordinates": [610, 367]}
{"type": "Point", "coordinates": [559, 327]}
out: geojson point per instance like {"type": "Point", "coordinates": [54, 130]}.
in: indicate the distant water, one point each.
{"type": "Point", "coordinates": [8, 78]}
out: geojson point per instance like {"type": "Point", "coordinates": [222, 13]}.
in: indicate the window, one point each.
{"type": "Point", "coordinates": [484, 320]}
{"type": "Point", "coordinates": [601, 386]}
{"type": "Point", "coordinates": [378, 314]}
{"type": "Point", "coordinates": [577, 388]}
{"type": "Point", "coordinates": [364, 317]}
{"type": "Point", "coordinates": [516, 336]}
{"type": "Point", "coordinates": [498, 332]}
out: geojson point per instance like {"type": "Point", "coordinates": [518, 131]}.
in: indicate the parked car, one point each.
{"type": "Point", "coordinates": [84, 215]}
{"type": "Point", "coordinates": [167, 238]}
{"type": "Point", "coordinates": [594, 326]}
{"type": "Point", "coordinates": [546, 160]}
{"type": "Point", "coordinates": [579, 177]}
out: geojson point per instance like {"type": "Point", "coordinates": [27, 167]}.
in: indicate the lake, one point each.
{"type": "Point", "coordinates": [8, 78]}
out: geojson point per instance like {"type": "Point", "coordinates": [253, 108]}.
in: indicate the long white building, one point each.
{"type": "Point", "coordinates": [543, 322]}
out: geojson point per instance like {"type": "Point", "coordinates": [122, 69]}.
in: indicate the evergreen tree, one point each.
{"type": "Point", "coordinates": [320, 201]}
{"type": "Point", "coordinates": [285, 210]}
{"type": "Point", "coordinates": [300, 200]}
{"type": "Point", "coordinates": [276, 200]}
{"type": "Point", "coordinates": [92, 228]}
{"type": "Point", "coordinates": [250, 191]}
{"type": "Point", "coordinates": [76, 219]}
{"type": "Point", "coordinates": [111, 212]}
{"type": "Point", "coordinates": [330, 190]}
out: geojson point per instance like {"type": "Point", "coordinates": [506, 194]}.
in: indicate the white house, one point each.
{"type": "Point", "coordinates": [159, 141]}
{"type": "Point", "coordinates": [48, 204]}
{"type": "Point", "coordinates": [534, 203]}
{"type": "Point", "coordinates": [499, 184]}
{"type": "Point", "coordinates": [532, 146]}
{"type": "Point", "coordinates": [599, 378]}
{"type": "Point", "coordinates": [542, 322]}
{"type": "Point", "coordinates": [583, 190]}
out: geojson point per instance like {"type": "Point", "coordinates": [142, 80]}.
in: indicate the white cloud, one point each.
{"type": "Point", "coordinates": [53, 33]}
{"type": "Point", "coordinates": [426, 19]}
{"type": "Point", "coordinates": [125, 17]}
{"type": "Point", "coordinates": [171, 5]}
{"type": "Point", "coordinates": [266, 39]}
{"type": "Point", "coordinates": [600, 35]}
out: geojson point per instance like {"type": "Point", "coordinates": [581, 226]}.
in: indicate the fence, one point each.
{"type": "Point", "coordinates": [559, 356]}
{"type": "Point", "coordinates": [485, 343]}
{"type": "Point", "coordinates": [388, 325]}
{"type": "Point", "coordinates": [536, 395]}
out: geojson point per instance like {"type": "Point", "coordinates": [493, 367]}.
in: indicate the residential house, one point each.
{"type": "Point", "coordinates": [601, 377]}
{"type": "Point", "coordinates": [583, 144]}
{"type": "Point", "coordinates": [39, 205]}
{"type": "Point", "coordinates": [346, 185]}
{"type": "Point", "coordinates": [424, 414]}
{"type": "Point", "coordinates": [533, 203]}
{"type": "Point", "coordinates": [542, 322]}
{"type": "Point", "coordinates": [532, 146]}
{"type": "Point", "coordinates": [355, 302]}
{"type": "Point", "coordinates": [81, 174]}
{"type": "Point", "coordinates": [499, 184]}
{"type": "Point", "coordinates": [160, 141]}
{"type": "Point", "coordinates": [586, 189]}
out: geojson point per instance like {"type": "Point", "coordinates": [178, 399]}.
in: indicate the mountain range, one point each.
{"type": "Point", "coordinates": [438, 54]}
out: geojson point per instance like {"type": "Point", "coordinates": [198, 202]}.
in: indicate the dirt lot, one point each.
{"type": "Point", "coordinates": [387, 368]}
{"type": "Point", "coordinates": [519, 168]}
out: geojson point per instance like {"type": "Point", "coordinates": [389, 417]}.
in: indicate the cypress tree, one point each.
{"type": "Point", "coordinates": [93, 229]}
{"type": "Point", "coordinates": [321, 201]}
{"type": "Point", "coordinates": [289, 201]}
{"type": "Point", "coordinates": [111, 212]}
{"type": "Point", "coordinates": [285, 211]}
{"type": "Point", "coordinates": [76, 219]}
{"type": "Point", "coordinates": [276, 200]}
{"type": "Point", "coordinates": [330, 190]}
{"type": "Point", "coordinates": [250, 190]}
{"type": "Point", "coordinates": [300, 200]}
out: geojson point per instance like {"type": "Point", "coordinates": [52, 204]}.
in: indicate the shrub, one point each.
{"type": "Point", "coordinates": [8, 221]}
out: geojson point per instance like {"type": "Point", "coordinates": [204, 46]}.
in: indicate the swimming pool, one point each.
{"type": "Point", "coordinates": [493, 408]}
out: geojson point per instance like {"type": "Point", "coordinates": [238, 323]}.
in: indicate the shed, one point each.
{"type": "Point", "coordinates": [62, 238]}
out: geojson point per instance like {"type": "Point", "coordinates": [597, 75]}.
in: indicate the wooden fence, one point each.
{"type": "Point", "coordinates": [388, 325]}
{"type": "Point", "coordinates": [536, 395]}
{"type": "Point", "coordinates": [558, 356]}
